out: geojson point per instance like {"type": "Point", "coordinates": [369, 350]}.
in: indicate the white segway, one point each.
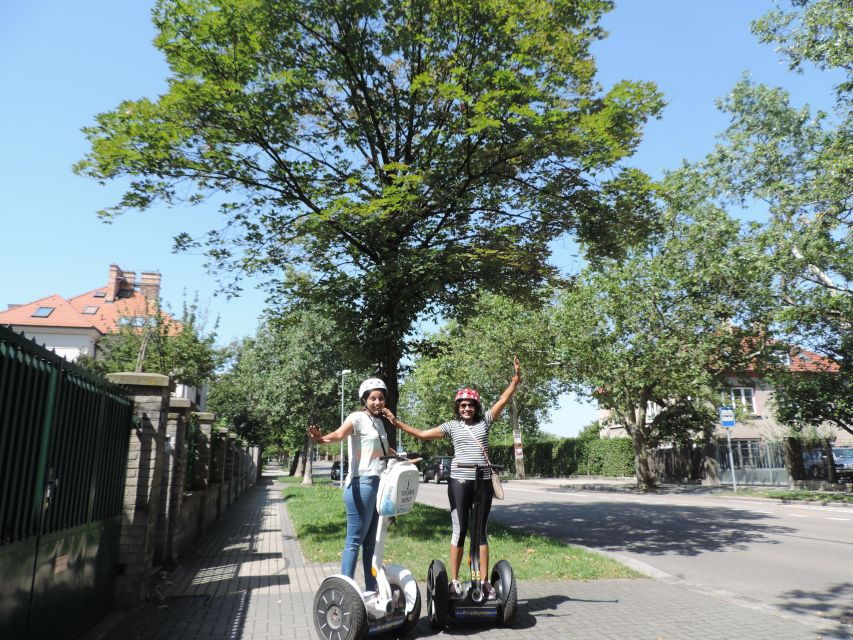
{"type": "Point", "coordinates": [342, 611]}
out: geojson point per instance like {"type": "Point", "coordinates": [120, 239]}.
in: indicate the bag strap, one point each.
{"type": "Point", "coordinates": [384, 452]}
{"type": "Point", "coordinates": [482, 448]}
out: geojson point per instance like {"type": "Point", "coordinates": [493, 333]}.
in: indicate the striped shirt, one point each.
{"type": "Point", "coordinates": [466, 448]}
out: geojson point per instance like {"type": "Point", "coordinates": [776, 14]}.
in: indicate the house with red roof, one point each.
{"type": "Point", "coordinates": [753, 394]}
{"type": "Point", "coordinates": [73, 326]}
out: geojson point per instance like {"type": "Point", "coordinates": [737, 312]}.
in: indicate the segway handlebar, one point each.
{"type": "Point", "coordinates": [401, 457]}
{"type": "Point", "coordinates": [475, 465]}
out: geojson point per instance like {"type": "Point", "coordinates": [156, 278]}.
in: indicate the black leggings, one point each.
{"type": "Point", "coordinates": [460, 493]}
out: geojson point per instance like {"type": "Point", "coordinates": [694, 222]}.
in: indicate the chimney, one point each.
{"type": "Point", "coordinates": [150, 287]}
{"type": "Point", "coordinates": [113, 283]}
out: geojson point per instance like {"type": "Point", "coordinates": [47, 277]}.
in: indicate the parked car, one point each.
{"type": "Point", "coordinates": [843, 463]}
{"type": "Point", "coordinates": [336, 469]}
{"type": "Point", "coordinates": [437, 469]}
{"type": "Point", "coordinates": [814, 461]}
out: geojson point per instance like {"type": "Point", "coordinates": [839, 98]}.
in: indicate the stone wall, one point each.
{"type": "Point", "coordinates": [182, 475]}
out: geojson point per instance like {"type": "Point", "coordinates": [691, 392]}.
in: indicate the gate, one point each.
{"type": "Point", "coordinates": [756, 462]}
{"type": "Point", "coordinates": [64, 437]}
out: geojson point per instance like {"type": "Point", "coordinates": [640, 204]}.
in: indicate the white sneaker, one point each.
{"type": "Point", "coordinates": [455, 589]}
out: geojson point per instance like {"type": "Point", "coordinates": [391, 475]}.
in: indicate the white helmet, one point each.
{"type": "Point", "coordinates": [371, 384]}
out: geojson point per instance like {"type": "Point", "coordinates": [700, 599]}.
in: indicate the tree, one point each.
{"type": "Point", "coordinates": [662, 327]}
{"type": "Point", "coordinates": [388, 158]}
{"type": "Point", "coordinates": [233, 397]}
{"type": "Point", "coordinates": [478, 353]}
{"type": "Point", "coordinates": [181, 349]}
{"type": "Point", "coordinates": [285, 378]}
{"type": "Point", "coordinates": [800, 163]}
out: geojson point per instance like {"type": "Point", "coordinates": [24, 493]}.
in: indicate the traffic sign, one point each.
{"type": "Point", "coordinates": [727, 417]}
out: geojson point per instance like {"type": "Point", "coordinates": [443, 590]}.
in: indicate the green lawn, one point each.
{"type": "Point", "coordinates": [424, 534]}
{"type": "Point", "coordinates": [789, 494]}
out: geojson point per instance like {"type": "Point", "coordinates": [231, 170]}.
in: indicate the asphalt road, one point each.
{"type": "Point", "coordinates": [796, 558]}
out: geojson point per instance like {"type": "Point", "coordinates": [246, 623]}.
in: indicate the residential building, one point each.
{"type": "Point", "coordinates": [754, 396]}
{"type": "Point", "coordinates": [73, 327]}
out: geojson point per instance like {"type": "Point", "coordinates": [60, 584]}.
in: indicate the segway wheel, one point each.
{"type": "Point", "coordinates": [437, 595]}
{"type": "Point", "coordinates": [506, 591]}
{"type": "Point", "coordinates": [412, 617]}
{"type": "Point", "coordinates": [339, 611]}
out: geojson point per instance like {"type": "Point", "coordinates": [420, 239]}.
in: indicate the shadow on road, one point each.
{"type": "Point", "coordinates": [647, 529]}
{"type": "Point", "coordinates": [824, 603]}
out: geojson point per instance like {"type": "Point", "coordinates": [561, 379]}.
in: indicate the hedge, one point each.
{"type": "Point", "coordinates": [570, 456]}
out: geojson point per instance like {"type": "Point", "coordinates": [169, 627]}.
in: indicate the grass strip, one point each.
{"type": "Point", "coordinates": [423, 534]}
{"type": "Point", "coordinates": [791, 494]}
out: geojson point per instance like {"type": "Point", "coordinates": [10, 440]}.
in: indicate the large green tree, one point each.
{"type": "Point", "coordinates": [662, 328]}
{"type": "Point", "coordinates": [798, 162]}
{"type": "Point", "coordinates": [388, 157]}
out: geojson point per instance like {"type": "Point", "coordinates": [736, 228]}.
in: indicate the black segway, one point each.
{"type": "Point", "coordinates": [471, 604]}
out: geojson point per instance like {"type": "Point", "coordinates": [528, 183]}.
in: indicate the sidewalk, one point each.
{"type": "Point", "coordinates": [247, 579]}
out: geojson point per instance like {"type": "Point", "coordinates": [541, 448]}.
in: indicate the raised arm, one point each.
{"type": "Point", "coordinates": [426, 434]}
{"type": "Point", "coordinates": [499, 405]}
{"type": "Point", "coordinates": [335, 436]}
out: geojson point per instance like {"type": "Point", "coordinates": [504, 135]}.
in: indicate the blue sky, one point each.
{"type": "Point", "coordinates": [62, 62]}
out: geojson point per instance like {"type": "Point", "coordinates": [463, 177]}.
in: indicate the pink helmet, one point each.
{"type": "Point", "coordinates": [468, 394]}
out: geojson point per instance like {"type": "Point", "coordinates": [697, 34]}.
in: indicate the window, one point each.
{"type": "Point", "coordinates": [42, 312]}
{"type": "Point", "coordinates": [785, 359]}
{"type": "Point", "coordinates": [99, 294]}
{"type": "Point", "coordinates": [744, 398]}
{"type": "Point", "coordinates": [90, 310]}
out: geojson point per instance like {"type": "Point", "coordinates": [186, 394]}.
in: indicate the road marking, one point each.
{"type": "Point", "coordinates": [840, 519]}
{"type": "Point", "coordinates": [797, 515]}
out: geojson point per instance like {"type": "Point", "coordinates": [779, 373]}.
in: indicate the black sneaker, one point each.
{"type": "Point", "coordinates": [489, 591]}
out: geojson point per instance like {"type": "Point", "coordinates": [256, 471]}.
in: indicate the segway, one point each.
{"type": "Point", "coordinates": [342, 611]}
{"type": "Point", "coordinates": [471, 604]}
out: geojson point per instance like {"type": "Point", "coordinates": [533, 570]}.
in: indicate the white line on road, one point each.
{"type": "Point", "coordinates": [841, 519]}
{"type": "Point", "coordinates": [797, 515]}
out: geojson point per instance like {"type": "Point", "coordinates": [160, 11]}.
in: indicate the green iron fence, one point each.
{"type": "Point", "coordinates": [63, 457]}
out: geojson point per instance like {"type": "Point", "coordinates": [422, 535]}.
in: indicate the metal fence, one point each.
{"type": "Point", "coordinates": [755, 462]}
{"type": "Point", "coordinates": [63, 457]}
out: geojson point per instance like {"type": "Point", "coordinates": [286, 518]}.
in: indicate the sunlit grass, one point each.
{"type": "Point", "coordinates": [791, 494]}
{"type": "Point", "coordinates": [424, 534]}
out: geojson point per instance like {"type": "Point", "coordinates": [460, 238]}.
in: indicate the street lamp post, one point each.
{"type": "Point", "coordinates": [343, 373]}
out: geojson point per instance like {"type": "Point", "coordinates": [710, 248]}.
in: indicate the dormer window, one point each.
{"type": "Point", "coordinates": [43, 312]}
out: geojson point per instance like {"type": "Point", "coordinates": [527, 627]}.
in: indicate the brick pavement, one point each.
{"type": "Point", "coordinates": [247, 579]}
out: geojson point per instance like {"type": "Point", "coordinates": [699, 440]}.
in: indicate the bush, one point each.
{"type": "Point", "coordinates": [568, 456]}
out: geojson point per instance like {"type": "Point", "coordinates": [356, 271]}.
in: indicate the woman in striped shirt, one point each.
{"type": "Point", "coordinates": [469, 432]}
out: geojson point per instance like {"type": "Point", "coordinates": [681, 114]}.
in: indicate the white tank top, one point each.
{"type": "Point", "coordinates": [366, 444]}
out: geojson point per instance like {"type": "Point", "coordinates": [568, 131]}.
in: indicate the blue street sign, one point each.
{"type": "Point", "coordinates": [727, 417]}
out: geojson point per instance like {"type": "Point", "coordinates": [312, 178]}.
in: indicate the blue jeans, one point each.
{"type": "Point", "coordinates": [362, 520]}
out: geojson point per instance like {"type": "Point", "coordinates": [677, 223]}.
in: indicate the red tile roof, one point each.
{"type": "Point", "coordinates": [129, 303]}
{"type": "Point", "coordinates": [63, 315]}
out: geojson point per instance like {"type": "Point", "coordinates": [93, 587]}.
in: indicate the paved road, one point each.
{"type": "Point", "coordinates": [246, 579]}
{"type": "Point", "coordinates": [796, 558]}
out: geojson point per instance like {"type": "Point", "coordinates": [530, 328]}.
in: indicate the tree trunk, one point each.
{"type": "Point", "coordinates": [300, 468]}
{"type": "Point", "coordinates": [294, 463]}
{"type": "Point", "coordinates": [308, 478]}
{"type": "Point", "coordinates": [829, 461]}
{"type": "Point", "coordinates": [389, 370]}
{"type": "Point", "coordinates": [794, 460]}
{"type": "Point", "coordinates": [639, 439]}
{"type": "Point", "coordinates": [710, 468]}
{"type": "Point", "coordinates": [642, 459]}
